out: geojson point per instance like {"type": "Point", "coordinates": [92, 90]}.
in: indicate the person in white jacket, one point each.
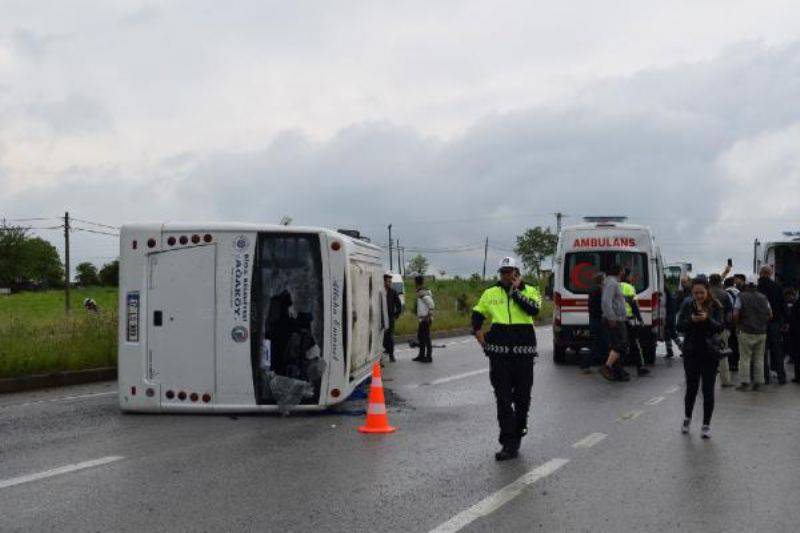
{"type": "Point", "coordinates": [425, 307]}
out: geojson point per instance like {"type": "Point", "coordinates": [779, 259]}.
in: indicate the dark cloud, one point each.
{"type": "Point", "coordinates": [651, 146]}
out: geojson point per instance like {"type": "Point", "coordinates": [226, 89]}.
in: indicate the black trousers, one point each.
{"type": "Point", "coordinates": [424, 339]}
{"type": "Point", "coordinates": [733, 344]}
{"type": "Point", "coordinates": [634, 346]}
{"type": "Point", "coordinates": [512, 379]}
{"type": "Point", "coordinates": [388, 340]}
{"type": "Point", "coordinates": [599, 352]}
{"type": "Point", "coordinates": [700, 368]}
{"type": "Point", "coordinates": [773, 355]}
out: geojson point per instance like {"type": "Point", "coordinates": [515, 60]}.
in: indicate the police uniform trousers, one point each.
{"type": "Point", "coordinates": [512, 379]}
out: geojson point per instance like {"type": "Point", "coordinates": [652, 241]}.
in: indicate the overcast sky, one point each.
{"type": "Point", "coordinates": [454, 121]}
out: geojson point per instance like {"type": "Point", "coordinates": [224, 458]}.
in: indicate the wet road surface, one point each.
{"type": "Point", "coordinates": [599, 457]}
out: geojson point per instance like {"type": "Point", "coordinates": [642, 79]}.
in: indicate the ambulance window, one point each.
{"type": "Point", "coordinates": [580, 268]}
{"type": "Point", "coordinates": [636, 263]}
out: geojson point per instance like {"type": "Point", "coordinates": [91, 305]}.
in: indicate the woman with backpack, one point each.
{"type": "Point", "coordinates": [700, 320]}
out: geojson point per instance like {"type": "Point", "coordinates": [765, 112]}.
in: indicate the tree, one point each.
{"type": "Point", "coordinates": [418, 264]}
{"type": "Point", "coordinates": [87, 274]}
{"type": "Point", "coordinates": [43, 264]}
{"type": "Point", "coordinates": [533, 246]}
{"type": "Point", "coordinates": [109, 274]}
{"type": "Point", "coordinates": [12, 255]}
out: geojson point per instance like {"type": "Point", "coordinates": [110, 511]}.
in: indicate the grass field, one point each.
{"type": "Point", "coordinates": [37, 338]}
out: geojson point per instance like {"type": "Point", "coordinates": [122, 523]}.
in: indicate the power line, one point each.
{"type": "Point", "coordinates": [95, 231]}
{"type": "Point", "coordinates": [98, 224]}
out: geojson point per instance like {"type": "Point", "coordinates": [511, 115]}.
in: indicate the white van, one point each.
{"type": "Point", "coordinates": [783, 255]}
{"type": "Point", "coordinates": [586, 249]}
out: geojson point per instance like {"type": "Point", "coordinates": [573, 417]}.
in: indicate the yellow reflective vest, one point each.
{"type": "Point", "coordinates": [629, 292]}
{"type": "Point", "coordinates": [498, 306]}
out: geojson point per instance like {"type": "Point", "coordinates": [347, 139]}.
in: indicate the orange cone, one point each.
{"type": "Point", "coordinates": [377, 421]}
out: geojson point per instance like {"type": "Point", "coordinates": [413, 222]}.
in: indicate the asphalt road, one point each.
{"type": "Point", "coordinates": [599, 457]}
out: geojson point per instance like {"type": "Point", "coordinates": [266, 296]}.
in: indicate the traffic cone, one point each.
{"type": "Point", "coordinates": [377, 421]}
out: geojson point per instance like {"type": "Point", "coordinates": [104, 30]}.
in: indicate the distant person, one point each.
{"type": "Point", "coordinates": [599, 351]}
{"type": "Point", "coordinates": [793, 332]}
{"type": "Point", "coordinates": [722, 296]}
{"type": "Point", "coordinates": [699, 319]}
{"type": "Point", "coordinates": [670, 333]}
{"type": "Point", "coordinates": [510, 346]}
{"type": "Point", "coordinates": [740, 280]}
{"type": "Point", "coordinates": [774, 294]}
{"type": "Point", "coordinates": [91, 306]}
{"type": "Point", "coordinates": [733, 340]}
{"type": "Point", "coordinates": [615, 319]}
{"type": "Point", "coordinates": [425, 306]}
{"type": "Point", "coordinates": [752, 314]}
{"type": "Point", "coordinates": [394, 308]}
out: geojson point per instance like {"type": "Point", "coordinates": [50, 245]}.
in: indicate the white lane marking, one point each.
{"type": "Point", "coordinates": [58, 471]}
{"type": "Point", "coordinates": [590, 440]}
{"type": "Point", "coordinates": [63, 399]}
{"type": "Point", "coordinates": [672, 390]}
{"type": "Point", "coordinates": [654, 401]}
{"type": "Point", "coordinates": [632, 415]}
{"type": "Point", "coordinates": [450, 378]}
{"type": "Point", "coordinates": [493, 502]}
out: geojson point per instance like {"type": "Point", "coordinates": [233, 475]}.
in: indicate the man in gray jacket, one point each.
{"type": "Point", "coordinates": [752, 313]}
{"type": "Point", "coordinates": [615, 317]}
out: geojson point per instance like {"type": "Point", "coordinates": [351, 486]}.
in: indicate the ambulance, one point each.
{"type": "Point", "coordinates": [592, 247]}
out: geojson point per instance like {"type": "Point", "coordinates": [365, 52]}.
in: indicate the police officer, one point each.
{"type": "Point", "coordinates": [511, 347]}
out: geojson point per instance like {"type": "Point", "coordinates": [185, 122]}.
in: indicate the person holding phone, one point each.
{"type": "Point", "coordinates": [700, 319]}
{"type": "Point", "coordinates": [510, 345]}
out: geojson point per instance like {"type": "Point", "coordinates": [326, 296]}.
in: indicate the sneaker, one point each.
{"type": "Point", "coordinates": [522, 432]}
{"type": "Point", "coordinates": [607, 373]}
{"type": "Point", "coordinates": [392, 358]}
{"type": "Point", "coordinates": [642, 371]}
{"type": "Point", "coordinates": [743, 387]}
{"type": "Point", "coordinates": [685, 426]}
{"type": "Point", "coordinates": [505, 454]}
{"type": "Point", "coordinates": [419, 359]}
{"type": "Point", "coordinates": [426, 360]}
{"type": "Point", "coordinates": [706, 432]}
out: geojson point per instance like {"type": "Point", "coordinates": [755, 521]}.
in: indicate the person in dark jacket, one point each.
{"type": "Point", "coordinates": [792, 332]}
{"type": "Point", "coordinates": [733, 339]}
{"type": "Point", "coordinates": [670, 333]}
{"type": "Point", "coordinates": [699, 320]}
{"type": "Point", "coordinates": [599, 350]}
{"type": "Point", "coordinates": [394, 308]}
{"type": "Point", "coordinates": [773, 356]}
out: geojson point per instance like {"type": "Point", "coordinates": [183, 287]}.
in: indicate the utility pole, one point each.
{"type": "Point", "coordinates": [399, 268]}
{"type": "Point", "coordinates": [755, 256]}
{"type": "Point", "coordinates": [485, 253]}
{"type": "Point", "coordinates": [559, 216]}
{"type": "Point", "coordinates": [66, 261]}
{"type": "Point", "coordinates": [402, 253]}
{"type": "Point", "coordinates": [391, 261]}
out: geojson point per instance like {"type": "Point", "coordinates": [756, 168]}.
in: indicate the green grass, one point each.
{"type": "Point", "coordinates": [37, 337]}
{"type": "Point", "coordinates": [454, 301]}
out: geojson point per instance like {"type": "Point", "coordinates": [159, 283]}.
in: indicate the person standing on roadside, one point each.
{"type": "Point", "coordinates": [510, 345]}
{"type": "Point", "coordinates": [733, 340]}
{"type": "Point", "coordinates": [599, 350]}
{"type": "Point", "coordinates": [425, 307]}
{"type": "Point", "coordinates": [615, 318]}
{"type": "Point", "coordinates": [794, 337]}
{"type": "Point", "coordinates": [722, 296]}
{"type": "Point", "coordinates": [634, 323]}
{"type": "Point", "coordinates": [394, 308]}
{"type": "Point", "coordinates": [774, 294]}
{"type": "Point", "coordinates": [699, 320]}
{"type": "Point", "coordinates": [752, 315]}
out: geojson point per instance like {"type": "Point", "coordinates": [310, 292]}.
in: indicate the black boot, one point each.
{"type": "Point", "coordinates": [506, 453]}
